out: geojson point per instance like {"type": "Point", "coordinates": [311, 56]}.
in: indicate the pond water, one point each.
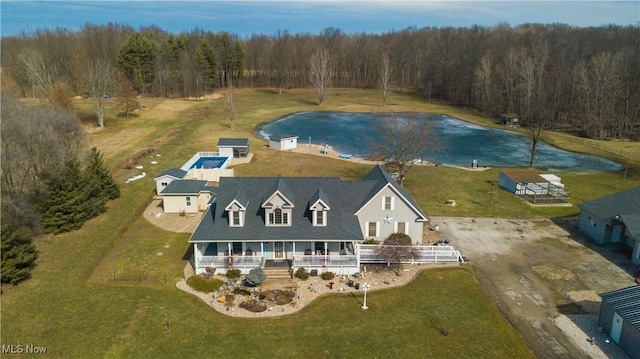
{"type": "Point", "coordinates": [356, 134]}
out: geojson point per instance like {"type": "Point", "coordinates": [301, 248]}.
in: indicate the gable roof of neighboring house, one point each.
{"type": "Point", "coordinates": [626, 302]}
{"type": "Point", "coordinates": [282, 136]}
{"type": "Point", "coordinates": [186, 187]}
{"type": "Point", "coordinates": [172, 172]}
{"type": "Point", "coordinates": [233, 142]}
{"type": "Point", "coordinates": [344, 199]}
{"type": "Point", "coordinates": [625, 204]}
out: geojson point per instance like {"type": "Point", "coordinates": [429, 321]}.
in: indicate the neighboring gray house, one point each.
{"type": "Point", "coordinates": [620, 318]}
{"type": "Point", "coordinates": [309, 221]}
{"type": "Point", "coordinates": [187, 196]}
{"type": "Point", "coordinates": [614, 219]}
{"type": "Point", "coordinates": [283, 142]}
{"type": "Point", "coordinates": [233, 147]}
{"type": "Point", "coordinates": [168, 176]}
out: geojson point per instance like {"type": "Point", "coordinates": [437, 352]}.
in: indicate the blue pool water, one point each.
{"type": "Point", "coordinates": [356, 134]}
{"type": "Point", "coordinates": [209, 162]}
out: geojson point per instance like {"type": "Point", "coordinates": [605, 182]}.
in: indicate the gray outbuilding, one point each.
{"type": "Point", "coordinates": [620, 318]}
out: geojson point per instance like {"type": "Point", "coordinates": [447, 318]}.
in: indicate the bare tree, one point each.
{"type": "Point", "coordinates": [126, 95]}
{"type": "Point", "coordinates": [40, 75]}
{"type": "Point", "coordinates": [385, 77]}
{"type": "Point", "coordinates": [396, 249]}
{"type": "Point", "coordinates": [98, 82]}
{"type": "Point", "coordinates": [230, 103]}
{"type": "Point", "coordinates": [320, 72]}
{"type": "Point", "coordinates": [405, 140]}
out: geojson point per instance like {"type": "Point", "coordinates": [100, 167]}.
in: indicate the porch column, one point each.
{"type": "Point", "coordinates": [293, 248]}
{"type": "Point", "coordinates": [357, 249]}
{"type": "Point", "coordinates": [262, 250]}
{"type": "Point", "coordinates": [229, 248]}
{"type": "Point", "coordinates": [196, 255]}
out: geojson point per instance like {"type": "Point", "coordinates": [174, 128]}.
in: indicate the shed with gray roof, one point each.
{"type": "Point", "coordinates": [620, 318]}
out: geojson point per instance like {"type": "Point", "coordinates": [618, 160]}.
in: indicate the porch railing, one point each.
{"type": "Point", "coordinates": [230, 261]}
{"type": "Point", "coordinates": [422, 254]}
{"type": "Point", "coordinates": [310, 261]}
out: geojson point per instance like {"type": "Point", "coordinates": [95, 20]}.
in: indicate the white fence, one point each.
{"type": "Point", "coordinates": [422, 254]}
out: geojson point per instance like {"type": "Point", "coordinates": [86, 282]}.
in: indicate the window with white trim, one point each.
{"type": "Point", "coordinates": [235, 219]}
{"type": "Point", "coordinates": [319, 218]}
{"type": "Point", "coordinates": [188, 201]}
{"type": "Point", "coordinates": [278, 217]}
{"type": "Point", "coordinates": [387, 203]}
{"type": "Point", "coordinates": [402, 227]}
{"type": "Point", "coordinates": [372, 229]}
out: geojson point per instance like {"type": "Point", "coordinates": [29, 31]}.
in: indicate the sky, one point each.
{"type": "Point", "coordinates": [245, 18]}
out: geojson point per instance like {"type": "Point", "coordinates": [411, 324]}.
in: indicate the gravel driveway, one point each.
{"type": "Point", "coordinates": [544, 278]}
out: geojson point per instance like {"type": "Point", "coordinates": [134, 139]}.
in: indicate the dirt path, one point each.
{"type": "Point", "coordinates": [537, 273]}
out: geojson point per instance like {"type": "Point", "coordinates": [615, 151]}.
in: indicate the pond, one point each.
{"type": "Point", "coordinates": [356, 134]}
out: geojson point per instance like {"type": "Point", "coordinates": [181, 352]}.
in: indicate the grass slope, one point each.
{"type": "Point", "coordinates": [103, 291]}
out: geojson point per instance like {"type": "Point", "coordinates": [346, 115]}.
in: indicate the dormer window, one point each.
{"type": "Point", "coordinates": [236, 210]}
{"type": "Point", "coordinates": [235, 218]}
{"type": "Point", "coordinates": [278, 217]}
{"type": "Point", "coordinates": [319, 218]}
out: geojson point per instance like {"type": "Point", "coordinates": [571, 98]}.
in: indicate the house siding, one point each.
{"type": "Point", "coordinates": [373, 212]}
{"type": "Point", "coordinates": [592, 226]}
{"type": "Point", "coordinates": [178, 204]}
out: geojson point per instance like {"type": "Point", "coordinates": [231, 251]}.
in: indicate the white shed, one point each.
{"type": "Point", "coordinates": [283, 142]}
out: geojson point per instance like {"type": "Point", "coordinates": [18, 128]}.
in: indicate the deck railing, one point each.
{"type": "Point", "coordinates": [422, 254]}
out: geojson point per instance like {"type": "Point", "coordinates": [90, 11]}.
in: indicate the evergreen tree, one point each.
{"type": "Point", "coordinates": [67, 205]}
{"type": "Point", "coordinates": [97, 171]}
{"type": "Point", "coordinates": [136, 60]}
{"type": "Point", "coordinates": [18, 252]}
{"type": "Point", "coordinates": [207, 61]}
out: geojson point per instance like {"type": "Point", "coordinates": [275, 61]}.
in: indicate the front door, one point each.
{"type": "Point", "coordinates": [278, 250]}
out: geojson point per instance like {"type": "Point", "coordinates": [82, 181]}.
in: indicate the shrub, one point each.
{"type": "Point", "coordinates": [255, 277]}
{"type": "Point", "coordinates": [327, 275]}
{"type": "Point", "coordinates": [233, 273]}
{"type": "Point", "coordinates": [398, 239]}
{"type": "Point", "coordinates": [370, 241]}
{"type": "Point", "coordinates": [239, 291]}
{"type": "Point", "coordinates": [252, 306]}
{"type": "Point", "coordinates": [302, 273]}
{"type": "Point", "coordinates": [204, 285]}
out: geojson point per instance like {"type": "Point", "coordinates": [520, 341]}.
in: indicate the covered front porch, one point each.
{"type": "Point", "coordinates": [336, 256]}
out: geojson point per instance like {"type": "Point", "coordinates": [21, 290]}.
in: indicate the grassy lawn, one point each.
{"type": "Point", "coordinates": [104, 290]}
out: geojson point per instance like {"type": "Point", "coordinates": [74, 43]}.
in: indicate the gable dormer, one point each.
{"type": "Point", "coordinates": [319, 207]}
{"type": "Point", "coordinates": [278, 205]}
{"type": "Point", "coordinates": [237, 209]}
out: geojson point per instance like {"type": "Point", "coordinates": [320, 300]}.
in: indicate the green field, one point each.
{"type": "Point", "coordinates": [103, 291]}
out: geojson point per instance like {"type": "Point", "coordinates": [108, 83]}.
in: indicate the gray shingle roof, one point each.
{"type": "Point", "coordinates": [383, 178]}
{"type": "Point", "coordinates": [625, 204]}
{"type": "Point", "coordinates": [626, 302]}
{"type": "Point", "coordinates": [233, 142]}
{"type": "Point", "coordinates": [173, 172]}
{"type": "Point", "coordinates": [184, 187]}
{"type": "Point", "coordinates": [346, 198]}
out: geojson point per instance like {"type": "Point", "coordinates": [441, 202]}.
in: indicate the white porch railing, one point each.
{"type": "Point", "coordinates": [233, 261]}
{"type": "Point", "coordinates": [310, 261]}
{"type": "Point", "coordinates": [423, 254]}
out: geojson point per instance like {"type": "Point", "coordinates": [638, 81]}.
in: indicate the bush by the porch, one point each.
{"type": "Point", "coordinates": [327, 275]}
{"type": "Point", "coordinates": [302, 273]}
{"type": "Point", "coordinates": [255, 277]}
{"type": "Point", "coordinates": [233, 273]}
{"type": "Point", "coordinates": [202, 284]}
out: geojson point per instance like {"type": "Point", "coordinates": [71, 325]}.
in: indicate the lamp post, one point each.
{"type": "Point", "coordinates": [365, 287]}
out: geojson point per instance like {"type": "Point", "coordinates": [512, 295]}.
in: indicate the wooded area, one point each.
{"type": "Point", "coordinates": [583, 80]}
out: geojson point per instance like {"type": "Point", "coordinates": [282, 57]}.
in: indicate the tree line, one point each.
{"type": "Point", "coordinates": [50, 182]}
{"type": "Point", "coordinates": [586, 79]}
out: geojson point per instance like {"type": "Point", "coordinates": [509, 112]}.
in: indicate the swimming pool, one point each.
{"type": "Point", "coordinates": [356, 134]}
{"type": "Point", "coordinates": [209, 162]}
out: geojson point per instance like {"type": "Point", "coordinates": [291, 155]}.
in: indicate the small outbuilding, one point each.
{"type": "Point", "coordinates": [614, 219]}
{"type": "Point", "coordinates": [168, 176]}
{"type": "Point", "coordinates": [283, 142]}
{"type": "Point", "coordinates": [534, 187]}
{"type": "Point", "coordinates": [187, 196]}
{"type": "Point", "coordinates": [233, 147]}
{"type": "Point", "coordinates": [620, 318]}
{"type": "Point", "coordinates": [509, 118]}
